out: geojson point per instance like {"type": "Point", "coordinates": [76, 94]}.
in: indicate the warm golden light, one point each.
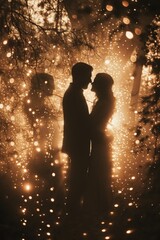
{"type": "Point", "coordinates": [74, 16]}
{"type": "Point", "coordinates": [116, 205]}
{"type": "Point", "coordinates": [107, 61]}
{"type": "Point", "coordinates": [133, 58]}
{"type": "Point", "coordinates": [109, 8]}
{"type": "Point", "coordinates": [126, 20]}
{"type": "Point", "coordinates": [9, 54]}
{"type": "Point", "coordinates": [129, 231]}
{"type": "Point", "coordinates": [36, 143]}
{"type": "Point", "coordinates": [129, 34]}
{"type": "Point", "coordinates": [125, 3]}
{"type": "Point", "coordinates": [11, 80]}
{"type": "Point", "coordinates": [5, 42]}
{"type": "Point", "coordinates": [84, 234]}
{"type": "Point", "coordinates": [27, 187]}
{"type": "Point", "coordinates": [138, 31]}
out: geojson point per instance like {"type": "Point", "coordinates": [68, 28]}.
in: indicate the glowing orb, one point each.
{"type": "Point", "coordinates": [27, 187]}
{"type": "Point", "coordinates": [125, 3]}
{"type": "Point", "coordinates": [109, 8]}
{"type": "Point", "coordinates": [5, 42]}
{"type": "Point", "coordinates": [11, 80]}
{"type": "Point", "coordinates": [137, 31]}
{"type": "Point", "coordinates": [107, 61]}
{"type": "Point", "coordinates": [129, 34]}
{"type": "Point", "coordinates": [133, 58]}
{"type": "Point", "coordinates": [129, 231]}
{"type": "Point", "coordinates": [1, 105]}
{"type": "Point", "coordinates": [126, 20]}
{"type": "Point", "coordinates": [9, 54]}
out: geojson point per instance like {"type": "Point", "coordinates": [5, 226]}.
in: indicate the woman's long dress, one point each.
{"type": "Point", "coordinates": [99, 192]}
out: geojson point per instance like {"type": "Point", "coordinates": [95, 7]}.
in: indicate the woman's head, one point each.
{"type": "Point", "coordinates": [102, 84]}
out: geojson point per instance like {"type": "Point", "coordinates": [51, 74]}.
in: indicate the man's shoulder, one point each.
{"type": "Point", "coordinates": [69, 97]}
{"type": "Point", "coordinates": [69, 93]}
{"type": "Point", "coordinates": [73, 92]}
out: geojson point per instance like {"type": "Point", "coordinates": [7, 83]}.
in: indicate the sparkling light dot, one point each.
{"type": "Point", "coordinates": [107, 61]}
{"type": "Point", "coordinates": [27, 187]}
{"type": "Point", "coordinates": [116, 205]}
{"type": "Point", "coordinates": [125, 3]}
{"type": "Point", "coordinates": [11, 80]}
{"type": "Point", "coordinates": [84, 234]}
{"type": "Point", "coordinates": [129, 231]}
{"type": "Point", "coordinates": [1, 105]}
{"type": "Point", "coordinates": [38, 149]}
{"type": "Point", "coordinates": [129, 35]}
{"type": "Point", "coordinates": [35, 143]}
{"type": "Point", "coordinates": [138, 31]}
{"type": "Point", "coordinates": [5, 42]}
{"type": "Point", "coordinates": [109, 8]}
{"type": "Point", "coordinates": [126, 20]}
{"type": "Point", "coordinates": [9, 54]}
{"type": "Point", "coordinates": [12, 143]}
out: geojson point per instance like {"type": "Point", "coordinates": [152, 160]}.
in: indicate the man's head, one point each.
{"type": "Point", "coordinates": [81, 73]}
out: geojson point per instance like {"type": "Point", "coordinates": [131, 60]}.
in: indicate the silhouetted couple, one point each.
{"type": "Point", "coordinates": [86, 143]}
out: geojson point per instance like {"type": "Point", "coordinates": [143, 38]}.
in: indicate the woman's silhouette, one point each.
{"type": "Point", "coordinates": [99, 194]}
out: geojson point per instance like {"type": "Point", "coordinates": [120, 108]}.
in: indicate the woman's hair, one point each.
{"type": "Point", "coordinates": [102, 82]}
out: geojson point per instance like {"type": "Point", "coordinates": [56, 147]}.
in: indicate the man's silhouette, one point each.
{"type": "Point", "coordinates": [76, 142]}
